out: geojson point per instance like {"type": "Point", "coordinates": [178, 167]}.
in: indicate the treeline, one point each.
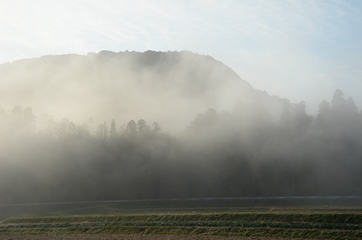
{"type": "Point", "coordinates": [242, 153]}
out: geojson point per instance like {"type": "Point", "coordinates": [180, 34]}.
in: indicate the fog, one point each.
{"type": "Point", "coordinates": [152, 125]}
{"type": "Point", "coordinates": [169, 88]}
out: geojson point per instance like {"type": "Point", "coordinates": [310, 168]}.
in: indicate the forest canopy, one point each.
{"type": "Point", "coordinates": [240, 153]}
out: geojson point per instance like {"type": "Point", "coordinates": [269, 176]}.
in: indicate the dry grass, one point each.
{"type": "Point", "coordinates": [131, 237]}
{"type": "Point", "coordinates": [256, 214]}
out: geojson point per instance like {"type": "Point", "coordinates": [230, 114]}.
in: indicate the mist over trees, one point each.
{"type": "Point", "coordinates": [165, 87]}
{"type": "Point", "coordinates": [244, 152]}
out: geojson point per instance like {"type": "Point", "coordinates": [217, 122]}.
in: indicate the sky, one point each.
{"type": "Point", "coordinates": [302, 50]}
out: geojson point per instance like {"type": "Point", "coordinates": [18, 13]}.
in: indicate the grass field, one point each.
{"type": "Point", "coordinates": [292, 222]}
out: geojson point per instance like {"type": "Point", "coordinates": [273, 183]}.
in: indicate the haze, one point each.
{"type": "Point", "coordinates": [300, 50]}
{"type": "Point", "coordinates": [264, 146]}
{"type": "Point", "coordinates": [91, 109]}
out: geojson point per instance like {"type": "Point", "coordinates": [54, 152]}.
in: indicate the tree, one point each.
{"type": "Point", "coordinates": [113, 131]}
{"type": "Point", "coordinates": [102, 130]}
{"type": "Point", "coordinates": [156, 127]}
{"type": "Point", "coordinates": [338, 101]}
{"type": "Point", "coordinates": [16, 113]}
{"type": "Point", "coordinates": [82, 131]}
{"type": "Point", "coordinates": [323, 114]}
{"type": "Point", "coordinates": [301, 120]}
{"type": "Point", "coordinates": [131, 127]}
{"type": "Point", "coordinates": [351, 106]}
{"type": "Point", "coordinates": [142, 126]}
{"type": "Point", "coordinates": [206, 119]}
{"type": "Point", "coordinates": [286, 116]}
{"type": "Point", "coordinates": [28, 117]}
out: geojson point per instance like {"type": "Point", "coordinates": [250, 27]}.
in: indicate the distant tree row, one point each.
{"type": "Point", "coordinates": [242, 153]}
{"type": "Point", "coordinates": [141, 127]}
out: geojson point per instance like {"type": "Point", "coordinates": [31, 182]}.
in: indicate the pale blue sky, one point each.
{"type": "Point", "coordinates": [297, 49]}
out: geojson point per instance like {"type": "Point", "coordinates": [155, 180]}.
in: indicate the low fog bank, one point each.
{"type": "Point", "coordinates": [198, 130]}
{"type": "Point", "coordinates": [165, 87]}
{"type": "Point", "coordinates": [243, 152]}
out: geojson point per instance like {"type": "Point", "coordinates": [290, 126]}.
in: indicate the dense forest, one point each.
{"type": "Point", "coordinates": [240, 153]}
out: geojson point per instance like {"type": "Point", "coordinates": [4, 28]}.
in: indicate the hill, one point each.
{"type": "Point", "coordinates": [165, 87]}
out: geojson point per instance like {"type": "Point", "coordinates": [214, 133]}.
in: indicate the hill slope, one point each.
{"type": "Point", "coordinates": [165, 87]}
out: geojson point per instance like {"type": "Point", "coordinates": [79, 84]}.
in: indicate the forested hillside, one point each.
{"type": "Point", "coordinates": [165, 87]}
{"type": "Point", "coordinates": [238, 153]}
